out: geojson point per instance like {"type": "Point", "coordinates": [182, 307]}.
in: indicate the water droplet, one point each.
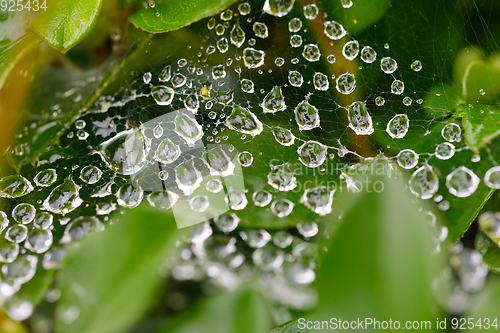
{"type": "Point", "coordinates": [187, 177]}
{"type": "Point", "coordinates": [218, 162]}
{"type": "Point", "coordinates": [281, 177]}
{"type": "Point", "coordinates": [244, 8]}
{"type": "Point", "coordinates": [178, 80]}
{"type": "Point", "coordinates": [226, 15]}
{"type": "Point", "coordinates": [237, 35]}
{"type": "Point", "coordinates": [214, 186]}
{"type": "Point", "coordinates": [346, 83]}
{"type": "Point", "coordinates": [199, 203]}
{"type": "Point", "coordinates": [278, 8]}
{"type": "Point", "coordinates": [379, 101]}
{"type": "Point", "coordinates": [219, 29]}
{"type": "Point", "coordinates": [407, 101]}
{"type": "Point", "coordinates": [236, 200]}
{"type": "Point", "coordinates": [39, 240]}
{"type": "Point", "coordinates": [407, 159]}
{"type": "Point", "coordinates": [295, 78]}
{"type": "Point", "coordinates": [80, 124]}
{"type": "Point", "coordinates": [247, 86]}
{"type": "Point", "coordinates": [351, 50]}
{"type": "Point", "coordinates": [311, 52]}
{"type": "Point", "coordinates": [24, 213]}
{"type": "Point", "coordinates": [187, 128]}
{"type": "Point", "coordinates": [262, 198]}
{"type": "Point", "coordinates": [334, 30]}
{"type": "Point", "coordinates": [445, 151]}
{"type": "Point", "coordinates": [388, 65]}
{"type": "Point", "coordinates": [295, 40]}
{"type": "Point", "coordinates": [226, 222]}
{"type": "Point", "coordinates": [368, 54]}
{"type": "Point", "coordinates": [260, 30]}
{"type": "Point", "coordinates": [268, 258]}
{"type": "Point", "coordinates": [126, 153]}
{"type": "Point", "coordinates": [282, 207]}
{"type": "Point", "coordinates": [158, 131]}
{"type": "Point", "coordinates": [147, 77]}
{"type": "Point", "coordinates": [46, 177]}
{"type": "Point", "coordinates": [424, 182]}
{"type": "Point", "coordinates": [16, 234]}
{"type": "Point", "coordinates": [359, 118]}
{"type": "Point", "coordinates": [245, 158]}
{"type": "Point", "coordinates": [167, 152]}
{"type": "Point", "coordinates": [222, 45]}
{"type": "Point", "coordinates": [163, 175]}
{"type": "Point", "coordinates": [346, 3]}
{"type": "Point", "coordinates": [163, 95]}
{"type": "Point", "coordinates": [307, 229]}
{"type": "Point", "coordinates": [397, 87]}
{"type": "Point", "coordinates": [255, 238]}
{"type": "Point", "coordinates": [43, 220]}
{"type": "Point", "coordinates": [64, 198]}
{"type": "Point", "coordinates": [162, 199]}
{"type": "Point", "coordinates": [331, 59]}
{"type": "Point", "coordinates": [129, 195]}
{"type": "Point", "coordinates": [306, 116]}
{"type": "Point", "coordinates": [310, 11]}
{"type": "Point", "coordinates": [312, 154]}
{"type": "Point", "coordinates": [191, 103]}
{"type": "Point", "coordinates": [451, 132]}
{"type": "Point", "coordinates": [294, 25]}
{"type": "Point", "coordinates": [283, 136]}
{"type": "Point", "coordinates": [253, 58]}
{"type": "Point", "coordinates": [8, 252]}
{"type": "Point", "coordinates": [90, 174]}
{"type": "Point", "coordinates": [279, 61]}
{"type": "Point", "coordinates": [416, 65]}
{"type": "Point", "coordinates": [182, 62]}
{"type": "Point", "coordinates": [398, 126]}
{"type": "Point", "coordinates": [166, 72]}
{"type": "Point", "coordinates": [475, 158]}
{"type": "Point", "coordinates": [492, 177]}
{"type": "Point", "coordinates": [321, 81]}
{"type": "Point", "coordinates": [318, 199]}
{"type": "Point", "coordinates": [244, 121]}
{"type": "Point", "coordinates": [462, 182]}
{"type": "Point", "coordinates": [81, 227]}
{"type": "Point", "coordinates": [273, 101]}
{"type": "Point", "coordinates": [14, 186]}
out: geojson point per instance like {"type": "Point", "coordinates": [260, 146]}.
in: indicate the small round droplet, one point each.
{"type": "Point", "coordinates": [312, 154]}
{"type": "Point", "coordinates": [398, 126]}
{"type": "Point", "coordinates": [282, 239]}
{"type": "Point", "coordinates": [282, 207]}
{"type": "Point", "coordinates": [262, 198]}
{"type": "Point", "coordinates": [45, 178]}
{"type": "Point", "coordinates": [226, 15]}
{"type": "Point", "coordinates": [16, 233]}
{"type": "Point", "coordinates": [350, 50]}
{"type": "Point", "coordinates": [445, 151]}
{"type": "Point", "coordinates": [90, 174]}
{"type": "Point", "coordinates": [147, 77]}
{"type": "Point", "coordinates": [295, 40]}
{"type": "Point", "coordinates": [334, 30]}
{"type": "Point", "coordinates": [310, 11]}
{"type": "Point", "coordinates": [346, 83]}
{"type": "Point", "coordinates": [199, 203]}
{"type": "Point", "coordinates": [407, 159]}
{"type": "Point", "coordinates": [311, 52]}
{"type": "Point", "coordinates": [226, 222]}
{"type": "Point", "coordinates": [279, 61]}
{"type": "Point", "coordinates": [260, 30]}
{"type": "Point", "coordinates": [416, 65]}
{"type": "Point", "coordinates": [331, 58]}
{"type": "Point", "coordinates": [244, 8]}
{"type": "Point", "coordinates": [80, 124]}
{"type": "Point", "coordinates": [397, 87]}
{"type": "Point", "coordinates": [295, 78]}
{"type": "Point", "coordinates": [43, 220]}
{"type": "Point", "coordinates": [379, 101]}
{"type": "Point", "coordinates": [462, 182]}
{"type": "Point", "coordinates": [24, 213]}
{"type": "Point", "coordinates": [255, 238]}
{"type": "Point", "coordinates": [346, 3]}
{"type": "Point", "coordinates": [307, 229]}
{"type": "Point", "coordinates": [163, 175]}
{"type": "Point", "coordinates": [388, 65]}
{"type": "Point", "coordinates": [424, 182]}
{"type": "Point", "coordinates": [211, 23]}
{"type": "Point", "coordinates": [294, 25]}
{"type": "Point", "coordinates": [245, 158]}
{"type": "Point", "coordinates": [368, 54]}
{"type": "Point", "coordinates": [163, 95]}
{"type": "Point", "coordinates": [214, 185]}
{"type": "Point", "coordinates": [236, 200]}
{"type": "Point", "coordinates": [247, 86]}
{"type": "Point", "coordinates": [321, 81]}
{"type": "Point", "coordinates": [39, 240]}
{"type": "Point", "coordinates": [451, 132]}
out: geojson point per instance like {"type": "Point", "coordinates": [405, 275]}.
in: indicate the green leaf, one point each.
{"type": "Point", "coordinates": [442, 100]}
{"type": "Point", "coordinates": [34, 290]}
{"type": "Point", "coordinates": [489, 250]}
{"type": "Point", "coordinates": [107, 270]}
{"type": "Point", "coordinates": [360, 15]}
{"type": "Point", "coordinates": [481, 81]}
{"type": "Point", "coordinates": [175, 14]}
{"type": "Point", "coordinates": [244, 311]}
{"type": "Point", "coordinates": [65, 23]}
{"type": "Point", "coordinates": [481, 124]}
{"type": "Point", "coordinates": [485, 305]}
{"type": "Point", "coordinates": [379, 258]}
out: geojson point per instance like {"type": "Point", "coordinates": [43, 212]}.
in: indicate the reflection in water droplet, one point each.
{"type": "Point", "coordinates": [295, 78]}
{"type": "Point", "coordinates": [492, 177]}
{"type": "Point", "coordinates": [262, 198]}
{"type": "Point", "coordinates": [81, 227]}
{"type": "Point", "coordinates": [283, 136]}
{"type": "Point", "coordinates": [64, 198]}
{"type": "Point", "coordinates": [334, 30]}
{"type": "Point", "coordinates": [306, 116]}
{"type": "Point", "coordinates": [462, 182]}
{"type": "Point", "coordinates": [273, 101]}
{"type": "Point", "coordinates": [129, 195]}
{"type": "Point", "coordinates": [307, 229]}
{"type": "Point", "coordinates": [388, 65]}
{"type": "Point", "coordinates": [407, 159]}
{"type": "Point", "coordinates": [350, 50]}
{"type": "Point", "coordinates": [346, 83]}
{"type": "Point", "coordinates": [318, 199]}
{"type": "Point", "coordinates": [236, 200]}
{"type": "Point", "coordinates": [368, 54]}
{"type": "Point", "coordinates": [424, 182]}
{"type": "Point", "coordinates": [282, 207]}
{"type": "Point", "coordinates": [16, 233]}
{"type": "Point", "coordinates": [245, 158]}
{"type": "Point", "coordinates": [451, 132]}
{"type": "Point", "coordinates": [187, 128]}
{"type": "Point", "coordinates": [359, 119]}
{"type": "Point", "coordinates": [162, 199]}
{"type": "Point", "coordinates": [187, 177]}
{"type": "Point", "coordinates": [90, 174]}
{"type": "Point", "coordinates": [311, 52]}
{"type": "Point", "coordinates": [214, 186]}
{"type": "Point", "coordinates": [445, 151]}
{"type": "Point", "coordinates": [244, 121]}
{"type": "Point", "coordinates": [255, 238]}
{"type": "Point", "coordinates": [278, 8]}
{"type": "Point", "coordinates": [163, 95]}
{"type": "Point", "coordinates": [312, 154]}
{"type": "Point", "coordinates": [310, 11]}
{"type": "Point", "coordinates": [237, 36]}
{"type": "Point", "coordinates": [282, 178]}
{"type": "Point", "coordinates": [45, 177]}
{"type": "Point", "coordinates": [24, 213]}
{"type": "Point", "coordinates": [226, 222]}
{"type": "Point", "coordinates": [398, 126]}
{"type": "Point", "coordinates": [14, 186]}
{"type": "Point", "coordinates": [167, 152]}
{"type": "Point", "coordinates": [260, 30]}
{"type": "Point", "coordinates": [294, 25]}
{"type": "Point", "coordinates": [397, 87]}
{"type": "Point", "coordinates": [253, 58]}
{"type": "Point", "coordinates": [247, 86]}
{"type": "Point", "coordinates": [39, 240]}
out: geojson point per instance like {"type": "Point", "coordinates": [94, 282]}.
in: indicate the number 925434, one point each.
{"type": "Point", "coordinates": [22, 5]}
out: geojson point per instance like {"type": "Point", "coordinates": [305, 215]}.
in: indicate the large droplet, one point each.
{"type": "Point", "coordinates": [281, 177]}
{"type": "Point", "coordinates": [306, 116]}
{"type": "Point", "coordinates": [16, 233]}
{"type": "Point", "coordinates": [368, 54]}
{"type": "Point", "coordinates": [398, 126]}
{"type": "Point", "coordinates": [445, 151]}
{"type": "Point", "coordinates": [162, 199]}
{"type": "Point", "coordinates": [295, 78]}
{"type": "Point", "coordinates": [247, 86]}
{"type": "Point", "coordinates": [39, 240]}
{"type": "Point", "coordinates": [318, 199]}
{"type": "Point", "coordinates": [260, 30]}
{"type": "Point", "coordinates": [81, 227]}
{"type": "Point", "coordinates": [253, 58]}
{"type": "Point", "coordinates": [20, 270]}
{"type": "Point", "coordinates": [43, 220]}
{"type": "Point", "coordinates": [187, 177]}
{"type": "Point", "coordinates": [237, 35]}
{"type": "Point", "coordinates": [24, 213]}
{"type": "Point", "coordinates": [321, 82]}
{"type": "Point", "coordinates": [167, 152]}
{"type": "Point", "coordinates": [284, 136]}
{"type": "Point", "coordinates": [451, 132]}
{"type": "Point", "coordinates": [236, 200]}
{"type": "Point", "coordinates": [218, 162]}
{"type": "Point", "coordinates": [244, 121]}
{"type": "Point", "coordinates": [273, 101]}
{"type": "Point", "coordinates": [129, 195]}
{"type": "Point", "coordinates": [397, 87]}
{"type": "Point", "coordinates": [226, 222]}
{"type": "Point", "coordinates": [278, 8]}
{"type": "Point", "coordinates": [187, 128]}
{"type": "Point", "coordinates": [462, 182]}
{"type": "Point", "coordinates": [424, 182]}
{"type": "Point", "coordinates": [46, 177]}
{"type": "Point", "coordinates": [178, 80]}
{"type": "Point", "coordinates": [334, 30]}
{"type": "Point", "coordinates": [163, 95]}
{"type": "Point", "coordinates": [282, 207]}
{"type": "Point", "coordinates": [312, 154]}
{"type": "Point", "coordinates": [350, 50]}
{"type": "Point", "coordinates": [311, 52]}
{"type": "Point", "coordinates": [492, 177]}
{"type": "Point", "coordinates": [90, 174]}
{"type": "Point", "coordinates": [262, 198]}
{"type": "Point", "coordinates": [346, 83]}
{"type": "Point", "coordinates": [388, 65]}
{"type": "Point", "coordinates": [407, 159]}
{"type": "Point", "coordinates": [64, 198]}
{"type": "Point", "coordinates": [359, 118]}
{"type": "Point", "coordinates": [14, 186]}
{"type": "Point", "coordinates": [126, 153]}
